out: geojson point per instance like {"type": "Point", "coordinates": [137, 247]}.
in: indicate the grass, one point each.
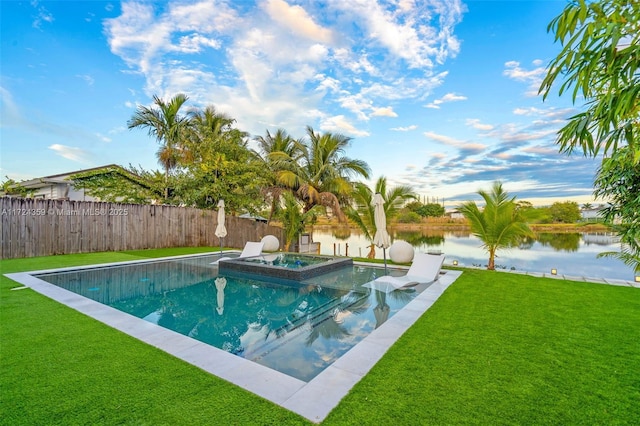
{"type": "Point", "coordinates": [495, 349]}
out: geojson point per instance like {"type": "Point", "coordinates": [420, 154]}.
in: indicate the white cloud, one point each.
{"type": "Point", "coordinates": [339, 124]}
{"type": "Point", "coordinates": [43, 15]}
{"type": "Point", "coordinates": [383, 112]}
{"type": "Point", "coordinates": [297, 20]}
{"type": "Point", "coordinates": [550, 113]}
{"type": "Point", "coordinates": [404, 31]}
{"type": "Point", "coordinates": [476, 124]}
{"type": "Point", "coordinates": [447, 140]}
{"type": "Point", "coordinates": [274, 53]}
{"type": "Point", "coordinates": [117, 130]}
{"type": "Point", "coordinates": [449, 97]}
{"type": "Point", "coordinates": [356, 104]}
{"type": "Point", "coordinates": [195, 42]}
{"type": "Point", "coordinates": [469, 148]}
{"type": "Point", "coordinates": [87, 78]}
{"type": "Point", "coordinates": [523, 111]}
{"type": "Point", "coordinates": [532, 77]}
{"type": "Point", "coordinates": [327, 84]}
{"type": "Point", "coordinates": [70, 153]}
{"type": "Point", "coordinates": [103, 138]}
{"type": "Point", "coordinates": [531, 131]}
{"type": "Point", "coordinates": [10, 113]}
{"type": "Point", "coordinates": [405, 129]}
{"type": "Point", "coordinates": [542, 150]}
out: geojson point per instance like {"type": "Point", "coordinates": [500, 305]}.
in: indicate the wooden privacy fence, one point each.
{"type": "Point", "coordinates": [32, 227]}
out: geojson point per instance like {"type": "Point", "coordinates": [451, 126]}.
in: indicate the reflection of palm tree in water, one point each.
{"type": "Point", "coordinates": [330, 327]}
{"type": "Point", "coordinates": [381, 311]}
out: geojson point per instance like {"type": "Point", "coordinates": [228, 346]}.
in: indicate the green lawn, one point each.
{"type": "Point", "coordinates": [495, 349]}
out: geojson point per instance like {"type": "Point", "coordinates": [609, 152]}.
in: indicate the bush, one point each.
{"type": "Point", "coordinates": [409, 217]}
{"type": "Point", "coordinates": [567, 212]}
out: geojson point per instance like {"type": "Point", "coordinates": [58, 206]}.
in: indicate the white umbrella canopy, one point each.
{"type": "Point", "coordinates": [381, 238]}
{"type": "Point", "coordinates": [221, 230]}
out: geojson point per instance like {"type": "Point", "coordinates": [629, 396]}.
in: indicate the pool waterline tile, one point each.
{"type": "Point", "coordinates": [312, 400]}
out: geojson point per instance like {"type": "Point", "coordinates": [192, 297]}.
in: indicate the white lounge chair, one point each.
{"type": "Point", "coordinates": [251, 249]}
{"type": "Point", "coordinates": [424, 269]}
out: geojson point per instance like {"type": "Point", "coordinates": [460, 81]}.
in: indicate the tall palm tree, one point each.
{"type": "Point", "coordinates": [321, 175]}
{"type": "Point", "coordinates": [210, 124]}
{"type": "Point", "coordinates": [271, 150]}
{"type": "Point", "coordinates": [362, 212]}
{"type": "Point", "coordinates": [500, 224]}
{"type": "Point", "coordinates": [164, 123]}
{"type": "Point", "coordinates": [211, 140]}
{"type": "Point", "coordinates": [219, 162]}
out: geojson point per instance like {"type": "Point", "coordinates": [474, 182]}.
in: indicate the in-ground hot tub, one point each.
{"type": "Point", "coordinates": [291, 266]}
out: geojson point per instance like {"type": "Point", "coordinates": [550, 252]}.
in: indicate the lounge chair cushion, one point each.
{"type": "Point", "coordinates": [424, 269]}
{"type": "Point", "coordinates": [251, 249]}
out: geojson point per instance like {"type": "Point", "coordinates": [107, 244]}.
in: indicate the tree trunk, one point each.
{"type": "Point", "coordinates": [372, 252]}
{"type": "Point", "coordinates": [492, 260]}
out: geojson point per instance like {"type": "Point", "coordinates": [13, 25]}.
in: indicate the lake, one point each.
{"type": "Point", "coordinates": [571, 253]}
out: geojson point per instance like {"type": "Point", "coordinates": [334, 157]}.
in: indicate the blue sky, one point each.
{"type": "Point", "coordinates": [438, 94]}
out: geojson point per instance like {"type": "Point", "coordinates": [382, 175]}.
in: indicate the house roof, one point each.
{"type": "Point", "coordinates": [253, 217]}
{"type": "Point", "coordinates": [60, 178]}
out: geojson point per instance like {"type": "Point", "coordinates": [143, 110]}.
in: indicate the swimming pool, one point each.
{"type": "Point", "coordinates": [295, 327]}
{"type": "Point", "coordinates": [313, 399]}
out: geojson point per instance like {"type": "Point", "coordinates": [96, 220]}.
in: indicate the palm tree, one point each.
{"type": "Point", "coordinates": [219, 164]}
{"type": "Point", "coordinates": [271, 150]}
{"type": "Point", "coordinates": [293, 219]}
{"type": "Point", "coordinates": [587, 206]}
{"type": "Point", "coordinates": [209, 124]}
{"type": "Point", "coordinates": [212, 140]}
{"type": "Point", "coordinates": [500, 224]}
{"type": "Point", "coordinates": [362, 212]}
{"type": "Point", "coordinates": [321, 175]}
{"type": "Point", "coordinates": [168, 127]}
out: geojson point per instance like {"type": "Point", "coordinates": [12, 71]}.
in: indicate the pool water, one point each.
{"type": "Point", "coordinates": [291, 266]}
{"type": "Point", "coordinates": [297, 328]}
{"type": "Point", "coordinates": [288, 260]}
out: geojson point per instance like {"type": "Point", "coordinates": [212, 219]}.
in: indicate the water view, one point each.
{"type": "Point", "coordinates": [573, 253]}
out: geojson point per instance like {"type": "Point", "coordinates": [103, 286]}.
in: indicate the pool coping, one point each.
{"type": "Point", "coordinates": [246, 266]}
{"type": "Point", "coordinates": [313, 400]}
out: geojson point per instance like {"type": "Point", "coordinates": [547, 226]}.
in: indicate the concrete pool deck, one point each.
{"type": "Point", "coordinates": [312, 400]}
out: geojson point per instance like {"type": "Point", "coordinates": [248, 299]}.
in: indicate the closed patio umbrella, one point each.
{"type": "Point", "coordinates": [221, 231]}
{"type": "Point", "coordinates": [381, 238]}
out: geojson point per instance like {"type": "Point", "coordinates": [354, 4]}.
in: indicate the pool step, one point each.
{"type": "Point", "coordinates": [300, 326]}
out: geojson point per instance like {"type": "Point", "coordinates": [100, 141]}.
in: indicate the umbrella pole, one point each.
{"type": "Point", "coordinates": [384, 254]}
{"type": "Point", "coordinates": [220, 246]}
